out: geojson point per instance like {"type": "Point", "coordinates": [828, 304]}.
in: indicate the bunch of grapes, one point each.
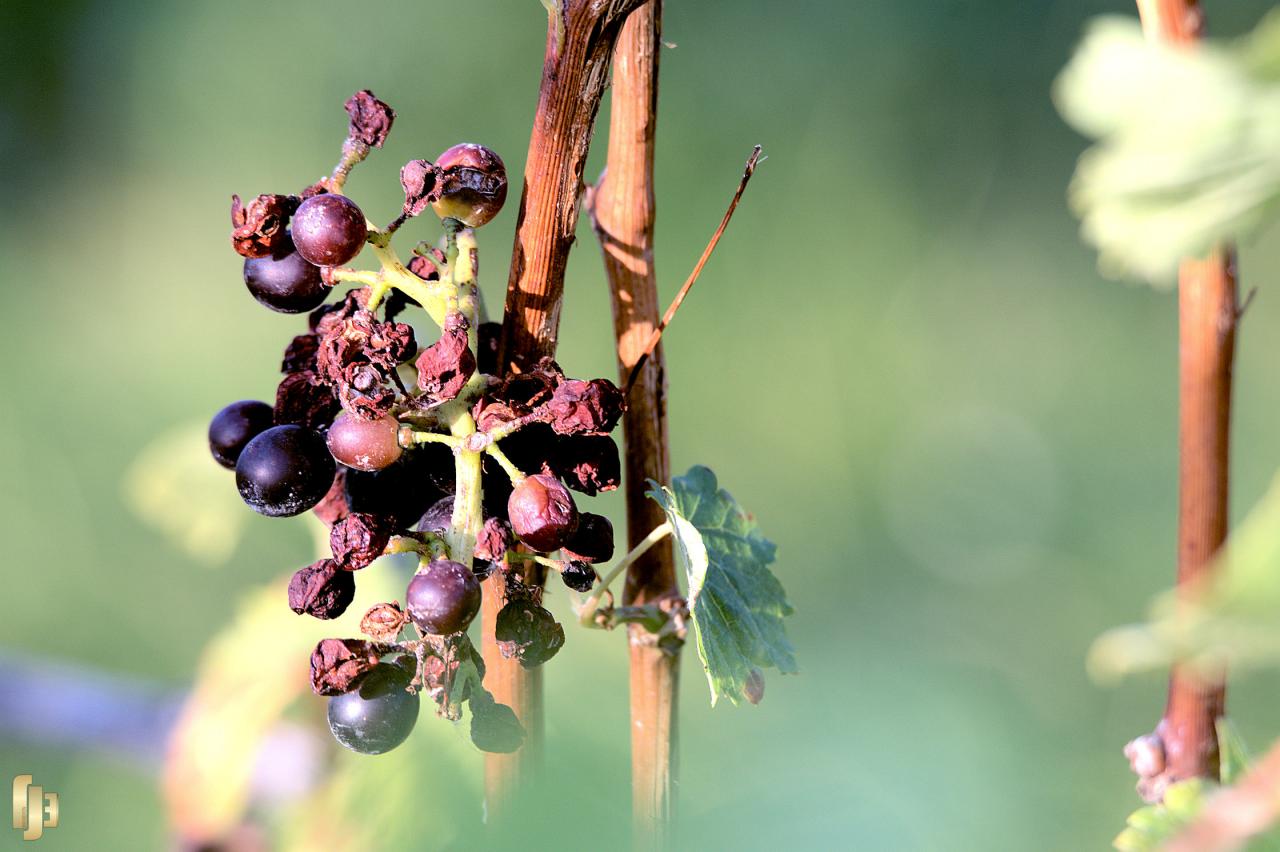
{"type": "Point", "coordinates": [403, 448]}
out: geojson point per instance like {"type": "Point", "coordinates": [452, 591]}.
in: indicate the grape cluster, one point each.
{"type": "Point", "coordinates": [399, 447]}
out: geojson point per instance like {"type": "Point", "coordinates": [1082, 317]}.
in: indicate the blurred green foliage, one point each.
{"type": "Point", "coordinates": [1188, 141]}
{"type": "Point", "coordinates": [982, 482]}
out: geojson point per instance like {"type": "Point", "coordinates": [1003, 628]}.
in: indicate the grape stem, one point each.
{"type": "Point", "coordinates": [425, 543]}
{"type": "Point", "coordinates": [587, 611]}
{"type": "Point", "coordinates": [497, 433]}
{"type": "Point", "coordinates": [431, 438]}
{"type": "Point", "coordinates": [505, 463]}
{"type": "Point", "coordinates": [538, 558]}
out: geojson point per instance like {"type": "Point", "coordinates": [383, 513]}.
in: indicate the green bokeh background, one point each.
{"type": "Point", "coordinates": [901, 360]}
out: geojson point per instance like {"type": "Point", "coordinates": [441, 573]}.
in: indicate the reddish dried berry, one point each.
{"type": "Point", "coordinates": [302, 398]}
{"type": "Point", "coordinates": [336, 312]}
{"type": "Point", "coordinates": [592, 541]}
{"type": "Point", "coordinates": [321, 589]}
{"type": "Point", "coordinates": [588, 463]}
{"type": "Point", "coordinates": [579, 407]}
{"type": "Point", "coordinates": [329, 229]}
{"type": "Point", "coordinates": [542, 512]}
{"type": "Point", "coordinates": [333, 506]}
{"type": "Point", "coordinates": [490, 413]}
{"type": "Point", "coordinates": [337, 665]}
{"type": "Point", "coordinates": [418, 180]}
{"type": "Point", "coordinates": [444, 598]}
{"type": "Point", "coordinates": [534, 387]}
{"type": "Point", "coordinates": [357, 354]}
{"type": "Point", "coordinates": [528, 633]}
{"type": "Point", "coordinates": [261, 228]}
{"type": "Point", "coordinates": [370, 118]}
{"type": "Point", "coordinates": [494, 539]}
{"type": "Point", "coordinates": [383, 622]}
{"type": "Point", "coordinates": [365, 444]}
{"type": "Point", "coordinates": [300, 354]}
{"type": "Point", "coordinates": [472, 184]}
{"type": "Point", "coordinates": [445, 366]}
{"type": "Point", "coordinates": [358, 539]}
{"type": "Point", "coordinates": [320, 187]}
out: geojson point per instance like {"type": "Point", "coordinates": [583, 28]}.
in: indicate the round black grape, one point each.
{"type": "Point", "coordinates": [285, 471]}
{"type": "Point", "coordinates": [329, 229]}
{"type": "Point", "coordinates": [379, 715]}
{"type": "Point", "coordinates": [444, 598]}
{"type": "Point", "coordinates": [234, 426]}
{"type": "Point", "coordinates": [285, 281]}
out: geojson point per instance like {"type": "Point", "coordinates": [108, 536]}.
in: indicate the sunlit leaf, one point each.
{"type": "Point", "coordinates": [1235, 618]}
{"type": "Point", "coordinates": [423, 794]}
{"type": "Point", "coordinates": [1188, 143]}
{"type": "Point", "coordinates": [176, 486]}
{"type": "Point", "coordinates": [1233, 758]}
{"type": "Point", "coordinates": [735, 602]}
{"type": "Point", "coordinates": [250, 673]}
{"type": "Point", "coordinates": [1150, 827]}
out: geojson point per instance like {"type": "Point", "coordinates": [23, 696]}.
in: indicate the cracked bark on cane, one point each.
{"type": "Point", "coordinates": [580, 39]}
{"type": "Point", "coordinates": [1207, 317]}
{"type": "Point", "coordinates": [623, 209]}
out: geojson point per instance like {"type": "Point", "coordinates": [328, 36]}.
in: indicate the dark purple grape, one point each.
{"type": "Point", "coordinates": [444, 598]}
{"type": "Point", "coordinates": [528, 632]}
{"type": "Point", "coordinates": [365, 444]}
{"type": "Point", "coordinates": [592, 541]}
{"type": "Point", "coordinates": [438, 517]}
{"type": "Point", "coordinates": [403, 491]}
{"type": "Point", "coordinates": [379, 715]}
{"type": "Point", "coordinates": [285, 281]}
{"type": "Point", "coordinates": [578, 576]}
{"type": "Point", "coordinates": [236, 425]}
{"type": "Point", "coordinates": [329, 229]}
{"type": "Point", "coordinates": [542, 512]}
{"type": "Point", "coordinates": [284, 471]}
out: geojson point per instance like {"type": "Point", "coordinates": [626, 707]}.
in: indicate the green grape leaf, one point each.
{"type": "Point", "coordinates": [735, 602]}
{"type": "Point", "coordinates": [1188, 143]}
{"type": "Point", "coordinates": [1149, 828]}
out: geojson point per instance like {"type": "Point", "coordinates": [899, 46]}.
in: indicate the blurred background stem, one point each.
{"type": "Point", "coordinates": [1207, 316]}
